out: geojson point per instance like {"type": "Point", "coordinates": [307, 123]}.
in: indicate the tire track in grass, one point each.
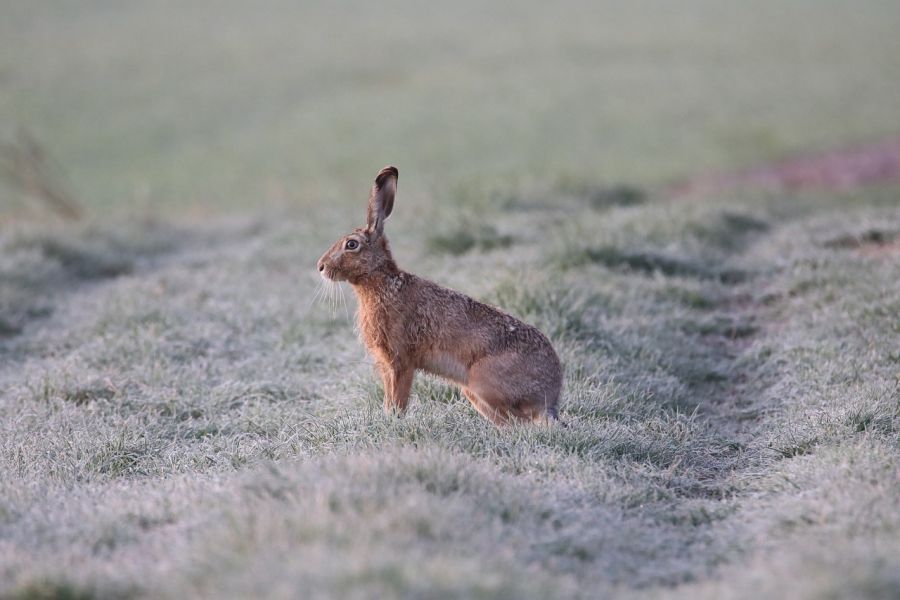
{"type": "Point", "coordinates": [711, 488]}
{"type": "Point", "coordinates": [43, 269]}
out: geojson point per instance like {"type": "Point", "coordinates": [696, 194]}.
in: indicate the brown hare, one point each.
{"type": "Point", "coordinates": [507, 369]}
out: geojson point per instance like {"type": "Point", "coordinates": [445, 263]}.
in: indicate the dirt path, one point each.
{"type": "Point", "coordinates": [833, 170]}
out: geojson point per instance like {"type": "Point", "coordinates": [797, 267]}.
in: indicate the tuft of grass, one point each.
{"type": "Point", "coordinates": [466, 238]}
{"type": "Point", "coordinates": [731, 230]}
{"type": "Point", "coordinates": [602, 197]}
{"type": "Point", "coordinates": [868, 237]}
{"type": "Point", "coordinates": [727, 326]}
{"type": "Point", "coordinates": [617, 195]}
{"type": "Point", "coordinates": [85, 394]}
{"type": "Point", "coordinates": [433, 389]}
{"type": "Point", "coordinates": [647, 262]}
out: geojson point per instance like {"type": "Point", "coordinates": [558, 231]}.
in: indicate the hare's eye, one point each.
{"type": "Point", "coordinates": [352, 245]}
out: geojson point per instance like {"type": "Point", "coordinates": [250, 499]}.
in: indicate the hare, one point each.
{"type": "Point", "coordinates": [507, 369]}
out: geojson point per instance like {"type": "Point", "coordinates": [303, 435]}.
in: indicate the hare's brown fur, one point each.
{"type": "Point", "coordinates": [507, 369]}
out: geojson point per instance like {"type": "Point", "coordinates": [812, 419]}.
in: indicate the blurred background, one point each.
{"type": "Point", "coordinates": [206, 107]}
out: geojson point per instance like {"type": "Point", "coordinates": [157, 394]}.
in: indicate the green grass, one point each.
{"type": "Point", "coordinates": [178, 419]}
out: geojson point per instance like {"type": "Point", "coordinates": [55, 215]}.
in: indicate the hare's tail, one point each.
{"type": "Point", "coordinates": [553, 413]}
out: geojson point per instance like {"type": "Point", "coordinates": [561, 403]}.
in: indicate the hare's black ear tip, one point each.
{"type": "Point", "coordinates": [386, 173]}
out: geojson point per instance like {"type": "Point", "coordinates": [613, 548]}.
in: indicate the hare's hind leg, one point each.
{"type": "Point", "coordinates": [485, 409]}
{"type": "Point", "coordinates": [506, 385]}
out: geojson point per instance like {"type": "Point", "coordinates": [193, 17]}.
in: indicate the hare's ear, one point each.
{"type": "Point", "coordinates": [381, 200]}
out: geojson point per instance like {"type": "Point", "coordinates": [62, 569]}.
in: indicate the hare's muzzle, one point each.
{"type": "Point", "coordinates": [324, 266]}
{"type": "Point", "coordinates": [321, 267]}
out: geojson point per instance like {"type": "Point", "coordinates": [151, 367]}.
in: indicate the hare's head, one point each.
{"type": "Point", "coordinates": [365, 250]}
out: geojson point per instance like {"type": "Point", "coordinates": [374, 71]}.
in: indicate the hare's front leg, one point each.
{"type": "Point", "coordinates": [397, 383]}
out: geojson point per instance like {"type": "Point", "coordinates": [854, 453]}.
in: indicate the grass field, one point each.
{"type": "Point", "coordinates": [179, 419]}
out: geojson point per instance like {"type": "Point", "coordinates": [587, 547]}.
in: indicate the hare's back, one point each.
{"type": "Point", "coordinates": [457, 321]}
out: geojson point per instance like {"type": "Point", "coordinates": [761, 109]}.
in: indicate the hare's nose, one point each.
{"type": "Point", "coordinates": [321, 266]}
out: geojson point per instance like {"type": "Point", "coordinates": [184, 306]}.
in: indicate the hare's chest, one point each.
{"type": "Point", "coordinates": [381, 334]}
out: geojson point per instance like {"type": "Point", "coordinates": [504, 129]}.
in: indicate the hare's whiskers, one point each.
{"type": "Point", "coordinates": [315, 294]}
{"type": "Point", "coordinates": [344, 302]}
{"type": "Point", "coordinates": [320, 291]}
{"type": "Point", "coordinates": [333, 295]}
